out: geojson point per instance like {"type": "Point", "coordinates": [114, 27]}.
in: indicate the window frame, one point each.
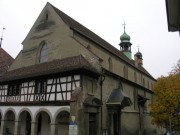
{"type": "Point", "coordinates": [40, 87]}
{"type": "Point", "coordinates": [43, 53]}
{"type": "Point", "coordinates": [14, 89]}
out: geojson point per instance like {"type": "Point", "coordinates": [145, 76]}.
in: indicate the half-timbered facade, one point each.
{"type": "Point", "coordinates": [67, 75]}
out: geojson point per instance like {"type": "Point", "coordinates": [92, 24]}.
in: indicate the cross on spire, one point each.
{"type": "Point", "coordinates": [138, 47]}
{"type": "Point", "coordinates": [2, 37]}
{"type": "Point", "coordinates": [124, 25]}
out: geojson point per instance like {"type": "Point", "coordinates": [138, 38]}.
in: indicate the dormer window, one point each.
{"type": "Point", "coordinates": [43, 53]}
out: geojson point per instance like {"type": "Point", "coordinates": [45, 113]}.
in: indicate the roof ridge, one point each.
{"type": "Point", "coordinates": [64, 16]}
{"type": "Point", "coordinates": [78, 27]}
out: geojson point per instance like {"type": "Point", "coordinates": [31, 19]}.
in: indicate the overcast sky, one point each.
{"type": "Point", "coordinates": [146, 24]}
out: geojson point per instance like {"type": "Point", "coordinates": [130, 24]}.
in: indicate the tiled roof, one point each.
{"type": "Point", "coordinates": [52, 67]}
{"type": "Point", "coordinates": [5, 61]}
{"type": "Point", "coordinates": [73, 24]}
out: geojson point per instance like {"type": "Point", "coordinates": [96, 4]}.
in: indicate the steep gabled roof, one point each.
{"type": "Point", "coordinates": [5, 61]}
{"type": "Point", "coordinates": [76, 26]}
{"type": "Point", "coordinates": [48, 68]}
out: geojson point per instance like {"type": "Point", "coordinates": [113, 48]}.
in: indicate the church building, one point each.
{"type": "Point", "coordinates": [67, 80]}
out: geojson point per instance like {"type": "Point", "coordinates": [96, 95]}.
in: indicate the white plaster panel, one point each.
{"type": "Point", "coordinates": [69, 86]}
{"type": "Point", "coordinates": [31, 98]}
{"type": "Point", "coordinates": [63, 79]}
{"type": "Point", "coordinates": [73, 86]}
{"type": "Point", "coordinates": [76, 77]}
{"type": "Point", "coordinates": [31, 83]}
{"type": "Point", "coordinates": [59, 96]}
{"type": "Point", "coordinates": [77, 84]}
{"type": "Point", "coordinates": [63, 86]}
{"type": "Point", "coordinates": [69, 78]}
{"type": "Point", "coordinates": [50, 81]}
{"type": "Point", "coordinates": [52, 97]}
{"type": "Point", "coordinates": [64, 96]}
{"type": "Point", "coordinates": [25, 84]}
{"type": "Point", "coordinates": [68, 96]}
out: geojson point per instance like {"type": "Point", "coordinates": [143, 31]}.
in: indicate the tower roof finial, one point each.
{"type": "Point", "coordinates": [138, 54]}
{"type": "Point", "coordinates": [124, 25]}
{"type": "Point", "coordinates": [125, 37]}
{"type": "Point", "coordinates": [138, 47]}
{"type": "Point", "coordinates": [138, 57]}
{"type": "Point", "coordinates": [2, 37]}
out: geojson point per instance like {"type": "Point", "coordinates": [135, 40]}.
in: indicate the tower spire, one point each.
{"type": "Point", "coordinates": [125, 44]}
{"type": "Point", "coordinates": [1, 39]}
{"type": "Point", "coordinates": [124, 26]}
{"type": "Point", "coordinates": [138, 47]}
{"type": "Point", "coordinates": [138, 57]}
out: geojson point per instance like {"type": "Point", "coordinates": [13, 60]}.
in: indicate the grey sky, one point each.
{"type": "Point", "coordinates": [146, 24]}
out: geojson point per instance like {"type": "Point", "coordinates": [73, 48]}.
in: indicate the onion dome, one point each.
{"type": "Point", "coordinates": [138, 54]}
{"type": "Point", "coordinates": [125, 37]}
{"type": "Point", "coordinates": [125, 44]}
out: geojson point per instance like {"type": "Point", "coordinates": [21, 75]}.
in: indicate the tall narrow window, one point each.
{"type": "Point", "coordinates": [148, 84]}
{"type": "Point", "coordinates": [40, 87]}
{"type": "Point", "coordinates": [125, 70]}
{"type": "Point", "coordinates": [151, 86]}
{"type": "Point", "coordinates": [90, 86]}
{"type": "Point", "coordinates": [40, 90]}
{"type": "Point", "coordinates": [47, 17]}
{"type": "Point", "coordinates": [43, 53]}
{"type": "Point", "coordinates": [14, 89]}
{"type": "Point", "coordinates": [110, 64]}
{"type": "Point", "coordinates": [135, 98]}
{"type": "Point", "coordinates": [143, 82]}
{"type": "Point", "coordinates": [135, 77]}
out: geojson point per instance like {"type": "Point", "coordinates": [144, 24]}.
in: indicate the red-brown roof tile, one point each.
{"type": "Point", "coordinates": [48, 68]}
{"type": "Point", "coordinates": [5, 61]}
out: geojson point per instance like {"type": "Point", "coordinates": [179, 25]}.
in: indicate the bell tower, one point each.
{"type": "Point", "coordinates": [138, 58]}
{"type": "Point", "coordinates": [125, 44]}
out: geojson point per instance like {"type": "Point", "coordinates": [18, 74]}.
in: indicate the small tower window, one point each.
{"type": "Point", "coordinates": [43, 53]}
{"type": "Point", "coordinates": [47, 17]}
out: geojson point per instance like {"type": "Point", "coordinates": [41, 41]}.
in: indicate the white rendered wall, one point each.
{"type": "Point", "coordinates": [33, 110]}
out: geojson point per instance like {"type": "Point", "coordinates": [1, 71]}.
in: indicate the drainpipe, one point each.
{"type": "Point", "coordinates": [101, 84]}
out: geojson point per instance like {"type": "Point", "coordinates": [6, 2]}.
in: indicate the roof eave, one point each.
{"type": "Point", "coordinates": [173, 16]}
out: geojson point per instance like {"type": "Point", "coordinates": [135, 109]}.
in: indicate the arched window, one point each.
{"type": "Point", "coordinates": [151, 86]}
{"type": "Point", "coordinates": [148, 84]}
{"type": "Point", "coordinates": [135, 77]}
{"type": "Point", "coordinates": [110, 64]}
{"type": "Point", "coordinates": [43, 53]}
{"type": "Point", "coordinates": [125, 70]}
{"type": "Point", "coordinates": [143, 82]}
{"type": "Point", "coordinates": [47, 16]}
